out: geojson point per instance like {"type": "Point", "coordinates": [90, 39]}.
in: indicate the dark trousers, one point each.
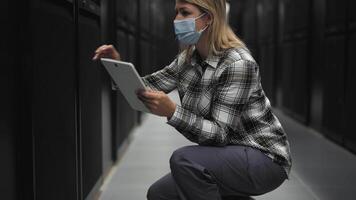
{"type": "Point", "coordinates": [215, 173]}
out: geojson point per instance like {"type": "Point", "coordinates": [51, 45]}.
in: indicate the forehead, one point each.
{"type": "Point", "coordinates": [185, 5]}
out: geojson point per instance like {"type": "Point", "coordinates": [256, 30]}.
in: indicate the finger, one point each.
{"type": "Point", "coordinates": [100, 55]}
{"type": "Point", "coordinates": [103, 48]}
{"type": "Point", "coordinates": [97, 56]}
{"type": "Point", "coordinates": [150, 95]}
{"type": "Point", "coordinates": [151, 107]}
{"type": "Point", "coordinates": [99, 48]}
{"type": "Point", "coordinates": [108, 48]}
{"type": "Point", "coordinates": [102, 51]}
{"type": "Point", "coordinates": [143, 99]}
{"type": "Point", "coordinates": [149, 101]}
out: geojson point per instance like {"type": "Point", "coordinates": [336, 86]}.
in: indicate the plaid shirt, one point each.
{"type": "Point", "coordinates": [225, 104]}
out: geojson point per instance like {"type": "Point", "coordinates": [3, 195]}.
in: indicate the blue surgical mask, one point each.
{"type": "Point", "coordinates": [185, 30]}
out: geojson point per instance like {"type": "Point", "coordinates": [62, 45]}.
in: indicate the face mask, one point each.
{"type": "Point", "coordinates": [185, 30]}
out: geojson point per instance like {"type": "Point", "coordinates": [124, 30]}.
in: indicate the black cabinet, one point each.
{"type": "Point", "coordinates": [145, 15]}
{"type": "Point", "coordinates": [266, 36]}
{"type": "Point", "coordinates": [267, 70]}
{"type": "Point", "coordinates": [146, 64]}
{"type": "Point", "coordinates": [301, 15]}
{"type": "Point", "coordinates": [54, 101]}
{"type": "Point", "coordinates": [89, 38]}
{"type": "Point", "coordinates": [132, 50]}
{"type": "Point", "coordinates": [287, 16]}
{"type": "Point", "coordinates": [122, 44]}
{"type": "Point", "coordinates": [335, 17]}
{"type": "Point", "coordinates": [351, 15]}
{"type": "Point", "coordinates": [9, 104]}
{"type": "Point", "coordinates": [350, 139]}
{"type": "Point", "coordinates": [317, 68]}
{"type": "Point", "coordinates": [287, 76]}
{"type": "Point", "coordinates": [266, 19]}
{"type": "Point", "coordinates": [67, 105]}
{"type": "Point", "coordinates": [249, 21]}
{"type": "Point", "coordinates": [131, 11]}
{"type": "Point", "coordinates": [334, 102]}
{"type": "Point", "coordinates": [300, 95]}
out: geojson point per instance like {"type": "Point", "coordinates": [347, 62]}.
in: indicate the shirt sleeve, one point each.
{"type": "Point", "coordinates": [233, 90]}
{"type": "Point", "coordinates": [163, 80]}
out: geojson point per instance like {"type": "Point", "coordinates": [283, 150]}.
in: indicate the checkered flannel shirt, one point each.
{"type": "Point", "coordinates": [223, 104]}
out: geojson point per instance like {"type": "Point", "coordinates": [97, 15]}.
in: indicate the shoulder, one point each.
{"type": "Point", "coordinates": [237, 55]}
{"type": "Point", "coordinates": [237, 60]}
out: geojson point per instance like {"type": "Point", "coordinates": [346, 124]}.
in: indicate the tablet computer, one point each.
{"type": "Point", "coordinates": [128, 80]}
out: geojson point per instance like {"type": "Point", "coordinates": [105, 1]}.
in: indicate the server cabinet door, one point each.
{"type": "Point", "coordinates": [301, 15]}
{"type": "Point", "coordinates": [9, 101]}
{"type": "Point", "coordinates": [54, 100]}
{"type": "Point", "coordinates": [335, 15]}
{"type": "Point", "coordinates": [287, 15]}
{"type": "Point", "coordinates": [249, 25]}
{"type": "Point", "coordinates": [89, 38]}
{"type": "Point", "coordinates": [352, 14]}
{"type": "Point", "coordinates": [145, 15]}
{"type": "Point", "coordinates": [334, 107]}
{"type": "Point", "coordinates": [316, 64]}
{"type": "Point", "coordinates": [145, 58]}
{"type": "Point", "coordinates": [350, 139]}
{"type": "Point", "coordinates": [300, 81]}
{"type": "Point", "coordinates": [267, 68]}
{"type": "Point", "coordinates": [287, 76]}
{"type": "Point", "coordinates": [266, 19]}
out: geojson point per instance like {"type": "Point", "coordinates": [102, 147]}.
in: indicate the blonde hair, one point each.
{"type": "Point", "coordinates": [220, 34]}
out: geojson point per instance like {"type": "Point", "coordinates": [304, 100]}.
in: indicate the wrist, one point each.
{"type": "Point", "coordinates": [172, 110]}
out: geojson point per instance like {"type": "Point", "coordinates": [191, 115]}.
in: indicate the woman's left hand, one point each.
{"type": "Point", "coordinates": [157, 102]}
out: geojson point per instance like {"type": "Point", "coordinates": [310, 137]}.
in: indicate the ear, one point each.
{"type": "Point", "coordinates": [209, 19]}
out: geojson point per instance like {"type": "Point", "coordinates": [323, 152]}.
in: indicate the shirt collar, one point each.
{"type": "Point", "coordinates": [211, 60]}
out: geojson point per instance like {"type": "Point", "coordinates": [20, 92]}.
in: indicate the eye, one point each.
{"type": "Point", "coordinates": [185, 13]}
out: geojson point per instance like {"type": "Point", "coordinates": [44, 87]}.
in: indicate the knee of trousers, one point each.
{"type": "Point", "coordinates": [178, 158]}
{"type": "Point", "coordinates": [153, 193]}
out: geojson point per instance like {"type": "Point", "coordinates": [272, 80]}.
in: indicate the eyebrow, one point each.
{"type": "Point", "coordinates": [181, 8]}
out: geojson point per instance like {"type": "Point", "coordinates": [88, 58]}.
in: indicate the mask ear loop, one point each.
{"type": "Point", "coordinates": [200, 16]}
{"type": "Point", "coordinates": [202, 30]}
{"type": "Point", "coordinates": [207, 26]}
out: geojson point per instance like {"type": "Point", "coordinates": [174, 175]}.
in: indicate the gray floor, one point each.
{"type": "Point", "coordinates": [321, 169]}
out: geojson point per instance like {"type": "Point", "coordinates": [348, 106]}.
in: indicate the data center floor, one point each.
{"type": "Point", "coordinates": [321, 169]}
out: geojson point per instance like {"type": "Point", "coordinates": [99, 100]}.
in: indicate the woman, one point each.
{"type": "Point", "coordinates": [243, 149]}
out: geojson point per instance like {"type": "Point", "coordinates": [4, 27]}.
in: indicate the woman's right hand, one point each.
{"type": "Point", "coordinates": [106, 51]}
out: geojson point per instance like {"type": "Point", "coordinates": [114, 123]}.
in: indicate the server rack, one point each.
{"type": "Point", "coordinates": [54, 100]}
{"type": "Point", "coordinates": [350, 136]}
{"type": "Point", "coordinates": [313, 64]}
{"type": "Point", "coordinates": [335, 51]}
{"type": "Point", "coordinates": [88, 39]}
{"type": "Point", "coordinates": [266, 39]}
{"type": "Point", "coordinates": [11, 134]}
{"type": "Point", "coordinates": [316, 63]}
{"type": "Point", "coordinates": [66, 99]}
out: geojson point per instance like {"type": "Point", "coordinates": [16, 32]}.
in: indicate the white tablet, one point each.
{"type": "Point", "coordinates": [128, 80]}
